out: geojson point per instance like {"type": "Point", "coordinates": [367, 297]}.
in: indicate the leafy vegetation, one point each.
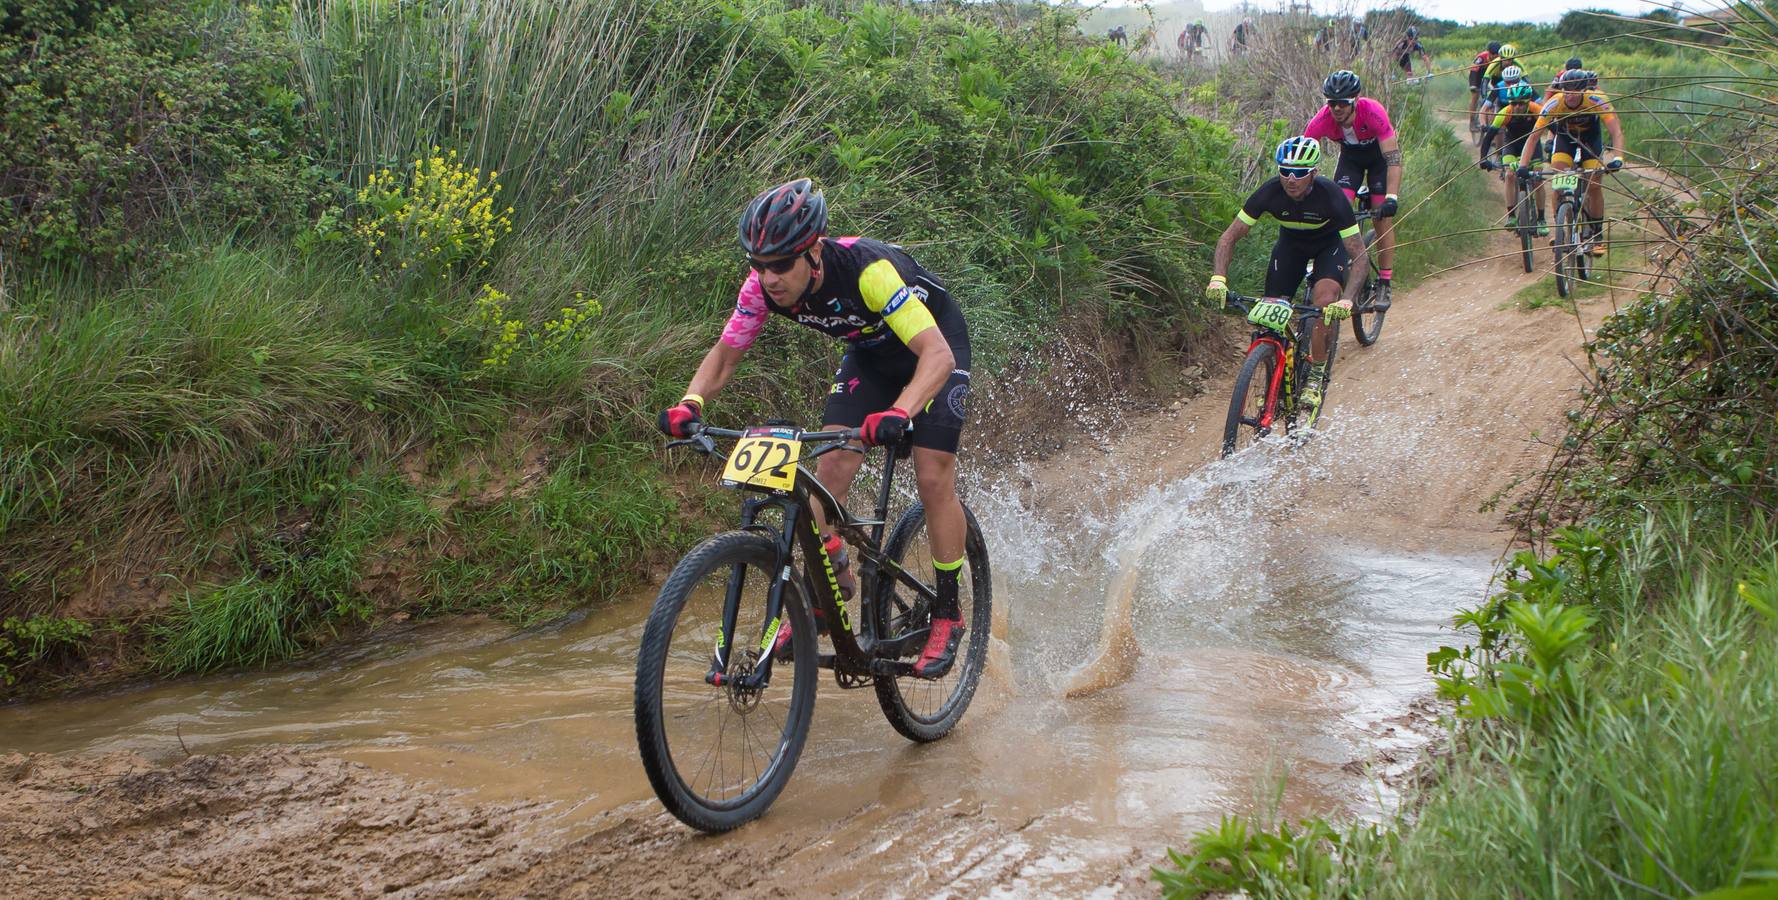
{"type": "Point", "coordinates": [1613, 709]}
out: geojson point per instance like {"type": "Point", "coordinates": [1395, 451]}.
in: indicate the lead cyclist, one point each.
{"type": "Point", "coordinates": [906, 369]}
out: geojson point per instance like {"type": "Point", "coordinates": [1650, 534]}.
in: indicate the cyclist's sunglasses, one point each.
{"type": "Point", "coordinates": [776, 266]}
{"type": "Point", "coordinates": [1296, 171]}
{"type": "Point", "coordinates": [1340, 102]}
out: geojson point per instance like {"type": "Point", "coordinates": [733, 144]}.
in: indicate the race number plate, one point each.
{"type": "Point", "coordinates": [1271, 313]}
{"type": "Point", "coordinates": [1565, 182]}
{"type": "Point", "coordinates": [765, 458]}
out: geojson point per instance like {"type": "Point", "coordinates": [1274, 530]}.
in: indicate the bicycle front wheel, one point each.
{"type": "Point", "coordinates": [718, 755]}
{"type": "Point", "coordinates": [1566, 246]}
{"type": "Point", "coordinates": [1367, 323]}
{"type": "Point", "coordinates": [926, 709]}
{"type": "Point", "coordinates": [1526, 214]}
{"type": "Point", "coordinates": [1250, 415]}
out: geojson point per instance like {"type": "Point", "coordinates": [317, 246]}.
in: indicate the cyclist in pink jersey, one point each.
{"type": "Point", "coordinates": [1370, 156]}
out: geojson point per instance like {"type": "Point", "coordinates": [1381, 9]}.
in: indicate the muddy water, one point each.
{"type": "Point", "coordinates": [1258, 649]}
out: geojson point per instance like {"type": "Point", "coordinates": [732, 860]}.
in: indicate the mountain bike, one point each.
{"type": "Point", "coordinates": [1275, 372]}
{"type": "Point", "coordinates": [722, 707]}
{"type": "Point", "coordinates": [1573, 233]}
{"type": "Point", "coordinates": [1367, 319]}
{"type": "Point", "coordinates": [1525, 214]}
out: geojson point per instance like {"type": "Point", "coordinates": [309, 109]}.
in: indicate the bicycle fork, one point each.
{"type": "Point", "coordinates": [759, 676]}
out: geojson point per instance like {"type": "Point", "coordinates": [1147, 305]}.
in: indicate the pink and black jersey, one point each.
{"type": "Point", "coordinates": [1370, 124]}
{"type": "Point", "coordinates": [873, 295]}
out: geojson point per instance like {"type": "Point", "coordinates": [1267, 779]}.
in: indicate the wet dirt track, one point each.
{"type": "Point", "coordinates": [1260, 640]}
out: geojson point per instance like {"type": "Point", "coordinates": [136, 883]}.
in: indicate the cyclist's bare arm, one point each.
{"type": "Point", "coordinates": [1616, 130]}
{"type": "Point", "coordinates": [1355, 272]}
{"type": "Point", "coordinates": [1531, 141]}
{"type": "Point", "coordinates": [930, 373]}
{"type": "Point", "coordinates": [1225, 246]}
{"type": "Point", "coordinates": [1391, 147]}
{"type": "Point", "coordinates": [716, 370]}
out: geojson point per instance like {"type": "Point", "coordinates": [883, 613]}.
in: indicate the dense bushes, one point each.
{"type": "Point", "coordinates": [128, 122]}
{"type": "Point", "coordinates": [232, 443]}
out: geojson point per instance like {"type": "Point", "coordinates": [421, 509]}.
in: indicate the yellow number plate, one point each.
{"type": "Point", "coordinates": [765, 458]}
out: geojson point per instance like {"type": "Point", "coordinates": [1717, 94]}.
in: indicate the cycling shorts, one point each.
{"type": "Point", "coordinates": [867, 383]}
{"type": "Point", "coordinates": [1358, 168]}
{"type": "Point", "coordinates": [1292, 256]}
{"type": "Point", "coordinates": [1475, 81]}
{"type": "Point", "coordinates": [1567, 143]}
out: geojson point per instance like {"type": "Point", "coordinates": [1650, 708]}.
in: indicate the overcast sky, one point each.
{"type": "Point", "coordinates": [1472, 10]}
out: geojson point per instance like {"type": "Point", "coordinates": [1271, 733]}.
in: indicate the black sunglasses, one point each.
{"type": "Point", "coordinates": [776, 266]}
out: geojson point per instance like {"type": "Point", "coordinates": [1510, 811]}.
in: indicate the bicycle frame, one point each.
{"type": "Point", "coordinates": [857, 647]}
{"type": "Point", "coordinates": [1289, 351]}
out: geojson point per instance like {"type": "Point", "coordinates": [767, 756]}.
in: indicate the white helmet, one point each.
{"type": "Point", "coordinates": [1512, 73]}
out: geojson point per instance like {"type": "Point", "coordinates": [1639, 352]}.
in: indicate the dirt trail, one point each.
{"type": "Point", "coordinates": [1458, 400]}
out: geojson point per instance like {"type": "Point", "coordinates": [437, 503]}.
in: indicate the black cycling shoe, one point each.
{"type": "Point", "coordinates": [941, 649]}
{"type": "Point", "coordinates": [1380, 301]}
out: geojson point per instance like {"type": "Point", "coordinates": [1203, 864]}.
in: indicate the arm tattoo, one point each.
{"type": "Point", "coordinates": [1392, 157]}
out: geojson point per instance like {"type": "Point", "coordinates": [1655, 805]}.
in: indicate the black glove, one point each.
{"type": "Point", "coordinates": [1388, 208]}
{"type": "Point", "coordinates": [1488, 165]}
{"type": "Point", "coordinates": [1614, 165]}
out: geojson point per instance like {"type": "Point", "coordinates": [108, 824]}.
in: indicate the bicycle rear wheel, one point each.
{"type": "Point", "coordinates": [1248, 407]}
{"type": "Point", "coordinates": [718, 756]}
{"type": "Point", "coordinates": [1367, 323]}
{"type": "Point", "coordinates": [926, 709]}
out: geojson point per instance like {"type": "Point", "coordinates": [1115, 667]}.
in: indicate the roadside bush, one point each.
{"type": "Point", "coordinates": [130, 122]}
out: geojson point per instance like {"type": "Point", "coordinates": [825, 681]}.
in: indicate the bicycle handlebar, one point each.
{"type": "Point", "coordinates": [701, 438]}
{"type": "Point", "coordinates": [1242, 304]}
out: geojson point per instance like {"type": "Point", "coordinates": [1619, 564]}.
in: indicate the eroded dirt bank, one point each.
{"type": "Point", "coordinates": [1268, 637]}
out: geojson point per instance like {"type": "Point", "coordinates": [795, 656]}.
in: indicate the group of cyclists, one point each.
{"type": "Point", "coordinates": [1564, 124]}
{"type": "Point", "coordinates": [905, 374]}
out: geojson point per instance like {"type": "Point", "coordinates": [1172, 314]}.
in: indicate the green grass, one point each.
{"type": "Point", "coordinates": [1645, 763]}
{"type": "Point", "coordinates": [1619, 267]}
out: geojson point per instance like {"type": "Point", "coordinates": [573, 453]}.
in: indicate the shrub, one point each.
{"type": "Point", "coordinates": [129, 121]}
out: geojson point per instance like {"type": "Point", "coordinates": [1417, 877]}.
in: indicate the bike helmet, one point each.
{"type": "Point", "coordinates": [1494, 47]}
{"type": "Point", "coordinates": [1592, 79]}
{"type": "Point", "coordinates": [1511, 74]}
{"type": "Point", "coordinates": [786, 219]}
{"type": "Point", "coordinates": [1341, 85]}
{"type": "Point", "coordinates": [1520, 93]}
{"type": "Point", "coordinates": [1508, 51]}
{"type": "Point", "coordinates": [1572, 80]}
{"type": "Point", "coordinates": [1413, 32]}
{"type": "Point", "coordinates": [1573, 63]}
{"type": "Point", "coordinates": [1298, 152]}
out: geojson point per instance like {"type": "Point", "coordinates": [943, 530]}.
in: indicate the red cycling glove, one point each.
{"type": "Point", "coordinates": [885, 428]}
{"type": "Point", "coordinates": [677, 422]}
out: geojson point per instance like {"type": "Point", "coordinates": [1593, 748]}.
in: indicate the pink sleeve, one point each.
{"type": "Point", "coordinates": [1379, 118]}
{"type": "Point", "coordinates": [1322, 127]}
{"type": "Point", "coordinates": [749, 317]}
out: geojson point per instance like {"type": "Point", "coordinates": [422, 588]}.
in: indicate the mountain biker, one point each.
{"type": "Point", "coordinates": [1550, 94]}
{"type": "Point", "coordinates": [907, 348]}
{"type": "Point", "coordinates": [1517, 116]}
{"type": "Point", "coordinates": [1192, 40]}
{"type": "Point", "coordinates": [1509, 77]}
{"type": "Point", "coordinates": [1369, 155]}
{"type": "Point", "coordinates": [1481, 62]}
{"type": "Point", "coordinates": [1407, 47]}
{"type": "Point", "coordinates": [1315, 225]}
{"type": "Point", "coordinates": [1241, 36]}
{"type": "Point", "coordinates": [1584, 117]}
{"type": "Point", "coordinates": [1509, 56]}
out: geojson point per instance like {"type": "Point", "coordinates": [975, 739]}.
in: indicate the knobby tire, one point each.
{"type": "Point", "coordinates": [923, 709]}
{"type": "Point", "coordinates": [699, 569]}
{"type": "Point", "coordinates": [1367, 325]}
{"type": "Point", "coordinates": [1249, 399]}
